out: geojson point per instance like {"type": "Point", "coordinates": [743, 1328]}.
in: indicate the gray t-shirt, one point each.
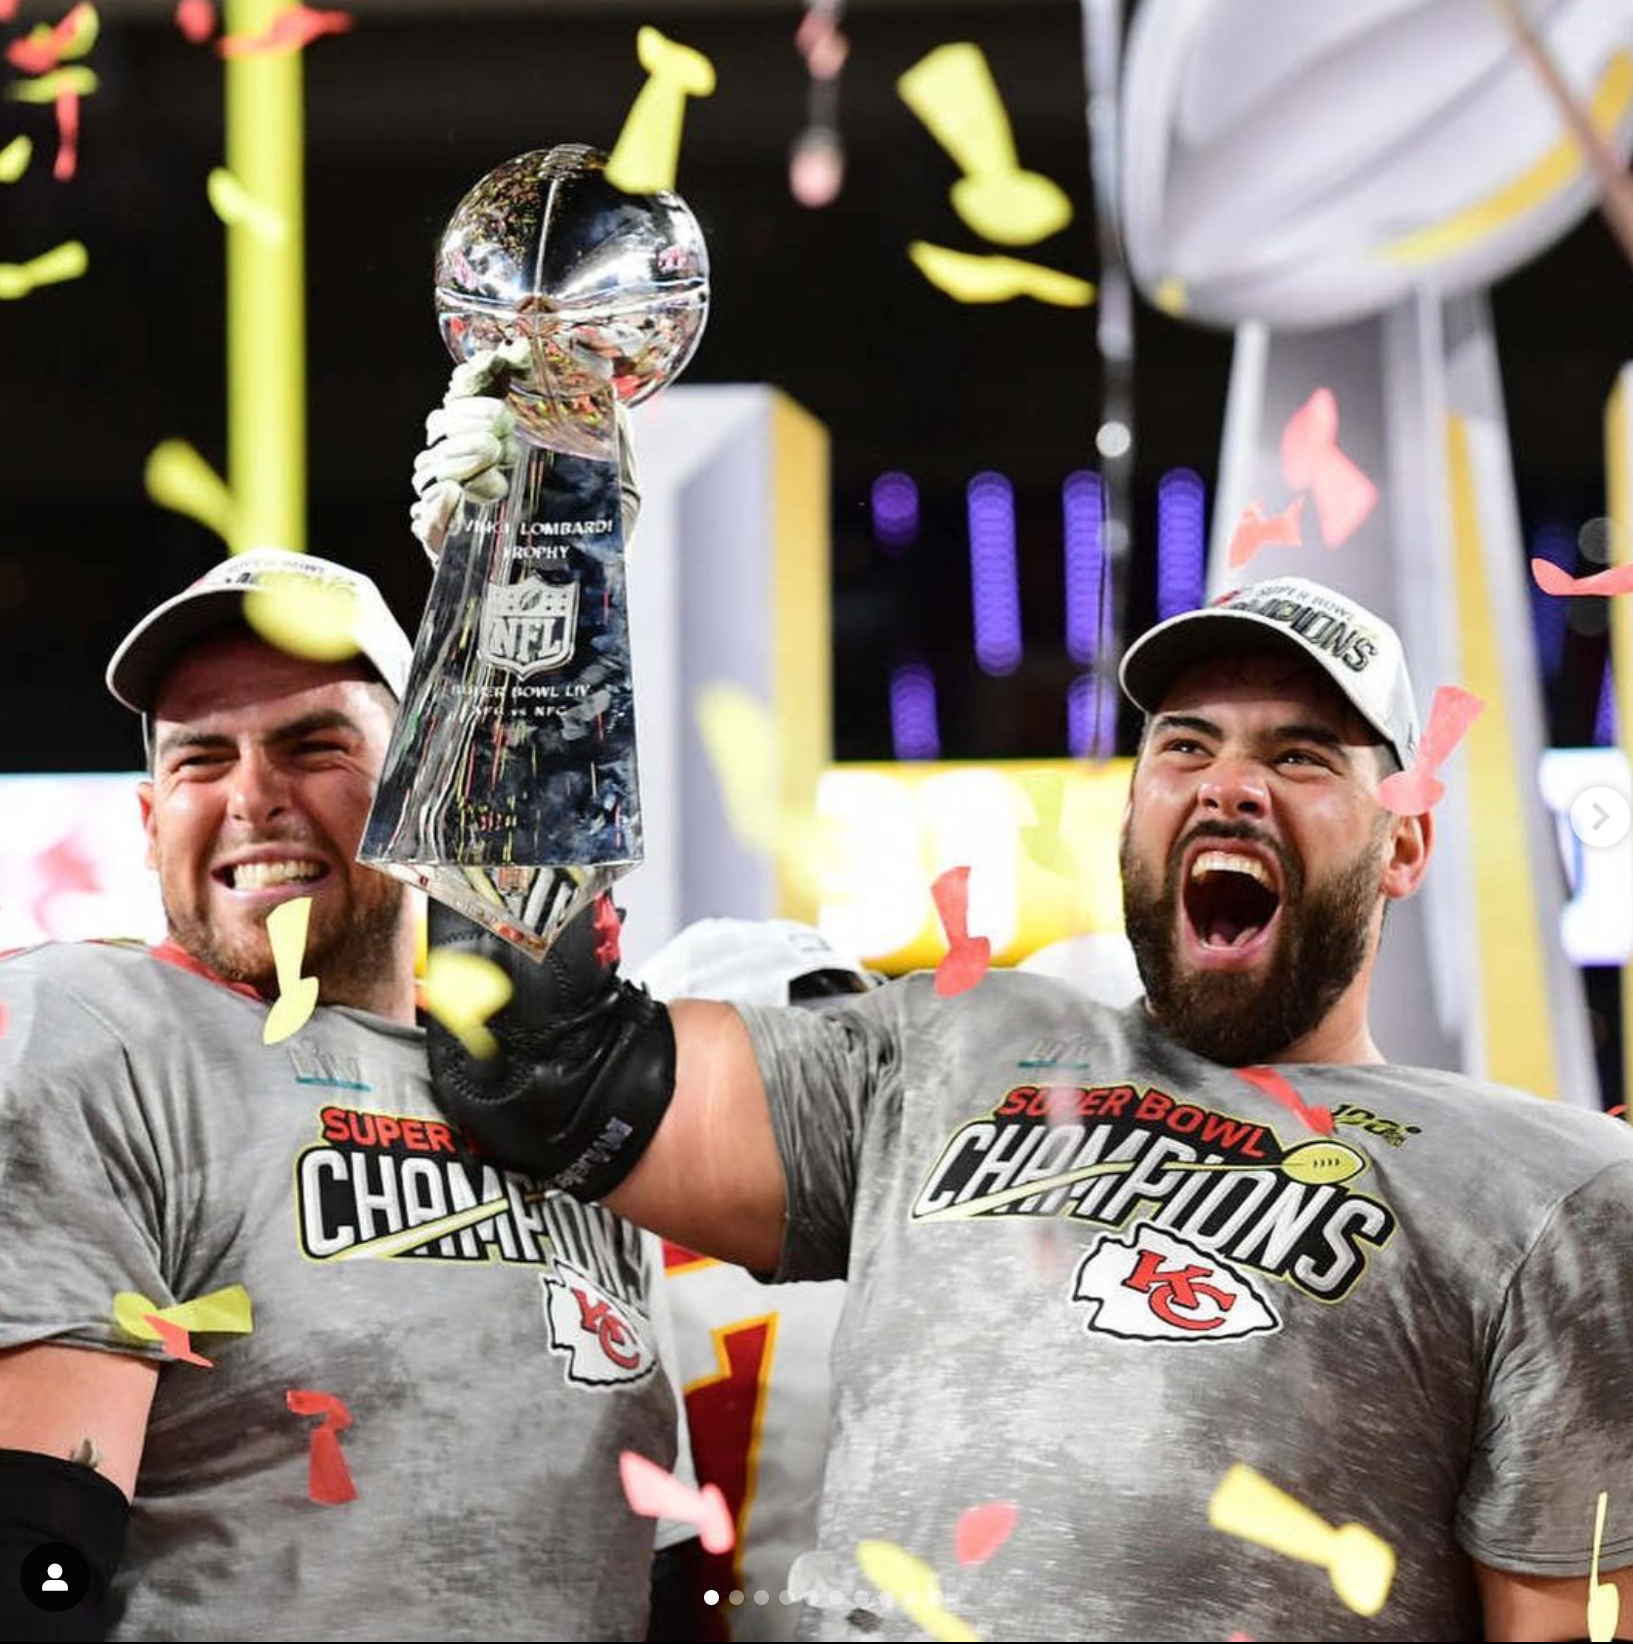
{"type": "Point", "coordinates": [149, 1141]}
{"type": "Point", "coordinates": [1439, 1347]}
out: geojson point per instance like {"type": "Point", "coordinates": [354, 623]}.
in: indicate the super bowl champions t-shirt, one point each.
{"type": "Point", "coordinates": [1089, 1271]}
{"type": "Point", "coordinates": [492, 1342]}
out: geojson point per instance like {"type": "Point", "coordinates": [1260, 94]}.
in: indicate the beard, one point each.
{"type": "Point", "coordinates": [1244, 1018]}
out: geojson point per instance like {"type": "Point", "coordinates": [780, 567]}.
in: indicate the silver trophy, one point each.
{"type": "Point", "coordinates": [510, 790]}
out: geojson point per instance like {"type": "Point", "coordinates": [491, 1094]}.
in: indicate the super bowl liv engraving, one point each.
{"type": "Point", "coordinates": [510, 788]}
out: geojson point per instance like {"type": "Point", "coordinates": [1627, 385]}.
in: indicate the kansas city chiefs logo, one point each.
{"type": "Point", "coordinates": [605, 1341]}
{"type": "Point", "coordinates": [1152, 1285]}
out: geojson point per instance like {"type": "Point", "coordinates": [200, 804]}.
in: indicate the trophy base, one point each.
{"type": "Point", "coordinates": [527, 907]}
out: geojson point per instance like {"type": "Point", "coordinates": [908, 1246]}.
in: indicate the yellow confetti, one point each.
{"type": "Point", "coordinates": [178, 478]}
{"type": "Point", "coordinates": [462, 990]}
{"type": "Point", "coordinates": [67, 261]}
{"type": "Point", "coordinates": [238, 208]}
{"type": "Point", "coordinates": [1170, 295]}
{"type": "Point", "coordinates": [221, 1312]}
{"type": "Point", "coordinates": [303, 615]}
{"type": "Point", "coordinates": [972, 278]}
{"type": "Point", "coordinates": [1361, 1565]}
{"type": "Point", "coordinates": [915, 1586]}
{"type": "Point", "coordinates": [81, 37]}
{"type": "Point", "coordinates": [953, 92]}
{"type": "Point", "coordinates": [1042, 841]}
{"type": "Point", "coordinates": [47, 88]}
{"type": "Point", "coordinates": [647, 154]}
{"type": "Point", "coordinates": [14, 158]}
{"type": "Point", "coordinates": [1604, 1601]}
{"type": "Point", "coordinates": [297, 994]}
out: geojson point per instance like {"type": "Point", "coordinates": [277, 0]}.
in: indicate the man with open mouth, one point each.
{"type": "Point", "coordinates": [1097, 1256]}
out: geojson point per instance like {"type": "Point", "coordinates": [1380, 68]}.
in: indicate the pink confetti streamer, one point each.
{"type": "Point", "coordinates": [293, 29]}
{"type": "Point", "coordinates": [1414, 791]}
{"type": "Point", "coordinates": [8, 9]}
{"type": "Point", "coordinates": [1277, 1088]}
{"type": "Point", "coordinates": [1552, 580]}
{"type": "Point", "coordinates": [178, 1343]}
{"type": "Point", "coordinates": [821, 43]}
{"type": "Point", "coordinates": [196, 20]}
{"type": "Point", "coordinates": [1311, 460]}
{"type": "Point", "coordinates": [67, 160]}
{"type": "Point", "coordinates": [1254, 531]}
{"type": "Point", "coordinates": [42, 55]}
{"type": "Point", "coordinates": [968, 958]}
{"type": "Point", "coordinates": [982, 1530]}
{"type": "Point", "coordinates": [608, 931]}
{"type": "Point", "coordinates": [328, 1478]}
{"type": "Point", "coordinates": [654, 1493]}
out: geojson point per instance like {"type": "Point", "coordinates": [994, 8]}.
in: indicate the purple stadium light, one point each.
{"type": "Point", "coordinates": [1557, 545]}
{"type": "Point", "coordinates": [994, 575]}
{"type": "Point", "coordinates": [1604, 721]}
{"type": "Point", "coordinates": [1182, 529]}
{"type": "Point", "coordinates": [895, 500]}
{"type": "Point", "coordinates": [1083, 503]}
{"type": "Point", "coordinates": [913, 729]}
{"type": "Point", "coordinates": [1083, 741]}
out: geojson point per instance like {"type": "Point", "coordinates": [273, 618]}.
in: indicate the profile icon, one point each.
{"type": "Point", "coordinates": [53, 1582]}
{"type": "Point", "coordinates": [55, 1576]}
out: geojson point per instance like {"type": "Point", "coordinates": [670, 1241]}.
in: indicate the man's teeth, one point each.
{"type": "Point", "coordinates": [1230, 862]}
{"type": "Point", "coordinates": [258, 875]}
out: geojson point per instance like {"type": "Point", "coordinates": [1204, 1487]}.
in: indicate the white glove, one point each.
{"type": "Point", "coordinates": [472, 447]}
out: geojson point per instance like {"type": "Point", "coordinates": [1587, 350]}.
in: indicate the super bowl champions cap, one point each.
{"type": "Point", "coordinates": [1356, 649]}
{"type": "Point", "coordinates": [216, 600]}
{"type": "Point", "coordinates": [742, 961]}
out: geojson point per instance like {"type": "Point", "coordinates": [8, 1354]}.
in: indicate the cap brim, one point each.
{"type": "Point", "coordinates": [138, 667]}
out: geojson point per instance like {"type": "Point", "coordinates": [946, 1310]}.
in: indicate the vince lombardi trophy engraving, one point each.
{"type": "Point", "coordinates": [510, 789]}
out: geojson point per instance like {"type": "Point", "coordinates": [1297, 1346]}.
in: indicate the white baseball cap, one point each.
{"type": "Point", "coordinates": [744, 961]}
{"type": "Point", "coordinates": [216, 600]}
{"type": "Point", "coordinates": [1357, 650]}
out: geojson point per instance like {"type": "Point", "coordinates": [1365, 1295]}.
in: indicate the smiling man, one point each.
{"type": "Point", "coordinates": [492, 1342]}
{"type": "Point", "coordinates": [1092, 1265]}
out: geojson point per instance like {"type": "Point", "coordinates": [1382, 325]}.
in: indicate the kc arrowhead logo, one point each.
{"type": "Point", "coordinates": [1153, 1285]}
{"type": "Point", "coordinates": [604, 1340]}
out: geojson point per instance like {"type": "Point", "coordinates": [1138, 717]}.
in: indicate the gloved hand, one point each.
{"type": "Point", "coordinates": [473, 445]}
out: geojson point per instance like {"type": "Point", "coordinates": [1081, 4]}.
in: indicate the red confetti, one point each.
{"type": "Point", "coordinates": [1413, 791]}
{"type": "Point", "coordinates": [1311, 460]}
{"type": "Point", "coordinates": [608, 931]}
{"type": "Point", "coordinates": [1254, 531]}
{"type": "Point", "coordinates": [328, 1478]}
{"type": "Point", "coordinates": [8, 9]}
{"type": "Point", "coordinates": [42, 55]}
{"type": "Point", "coordinates": [654, 1493]}
{"type": "Point", "coordinates": [1277, 1088]}
{"type": "Point", "coordinates": [1551, 580]}
{"type": "Point", "coordinates": [968, 958]}
{"type": "Point", "coordinates": [821, 43]}
{"type": "Point", "coordinates": [178, 1343]}
{"type": "Point", "coordinates": [67, 161]}
{"type": "Point", "coordinates": [981, 1531]}
{"type": "Point", "coordinates": [196, 20]}
{"type": "Point", "coordinates": [292, 29]}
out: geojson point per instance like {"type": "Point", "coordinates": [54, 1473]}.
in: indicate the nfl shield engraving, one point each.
{"type": "Point", "coordinates": [509, 790]}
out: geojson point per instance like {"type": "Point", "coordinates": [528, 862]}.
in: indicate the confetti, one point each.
{"type": "Point", "coordinates": [3, 1014]}
{"type": "Point", "coordinates": [297, 994]}
{"type": "Point", "coordinates": [654, 1493]}
{"type": "Point", "coordinates": [608, 931]}
{"type": "Point", "coordinates": [67, 261]}
{"type": "Point", "coordinates": [1311, 460]}
{"type": "Point", "coordinates": [647, 154]}
{"type": "Point", "coordinates": [293, 29]}
{"type": "Point", "coordinates": [1415, 790]}
{"type": "Point", "coordinates": [953, 92]}
{"type": "Point", "coordinates": [47, 88]}
{"type": "Point", "coordinates": [176, 1342]}
{"type": "Point", "coordinates": [238, 208]}
{"type": "Point", "coordinates": [821, 43]}
{"type": "Point", "coordinates": [178, 478]}
{"type": "Point", "coordinates": [981, 1531]}
{"type": "Point", "coordinates": [8, 9]}
{"type": "Point", "coordinates": [462, 990]}
{"type": "Point", "coordinates": [968, 958]}
{"type": "Point", "coordinates": [1360, 1564]}
{"type": "Point", "coordinates": [1552, 580]}
{"type": "Point", "coordinates": [196, 20]}
{"type": "Point", "coordinates": [1042, 841]}
{"type": "Point", "coordinates": [328, 1478]}
{"type": "Point", "coordinates": [43, 49]}
{"type": "Point", "coordinates": [969, 278]}
{"type": "Point", "coordinates": [225, 1312]}
{"type": "Point", "coordinates": [67, 160]}
{"type": "Point", "coordinates": [915, 1586]}
{"type": "Point", "coordinates": [1604, 1601]}
{"type": "Point", "coordinates": [1277, 1088]}
{"type": "Point", "coordinates": [304, 616]}
{"type": "Point", "coordinates": [741, 744]}
{"type": "Point", "coordinates": [14, 158]}
{"type": "Point", "coordinates": [1254, 531]}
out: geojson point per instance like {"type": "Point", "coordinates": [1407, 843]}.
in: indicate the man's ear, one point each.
{"type": "Point", "coordinates": [1411, 840]}
{"type": "Point", "coordinates": [144, 799]}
